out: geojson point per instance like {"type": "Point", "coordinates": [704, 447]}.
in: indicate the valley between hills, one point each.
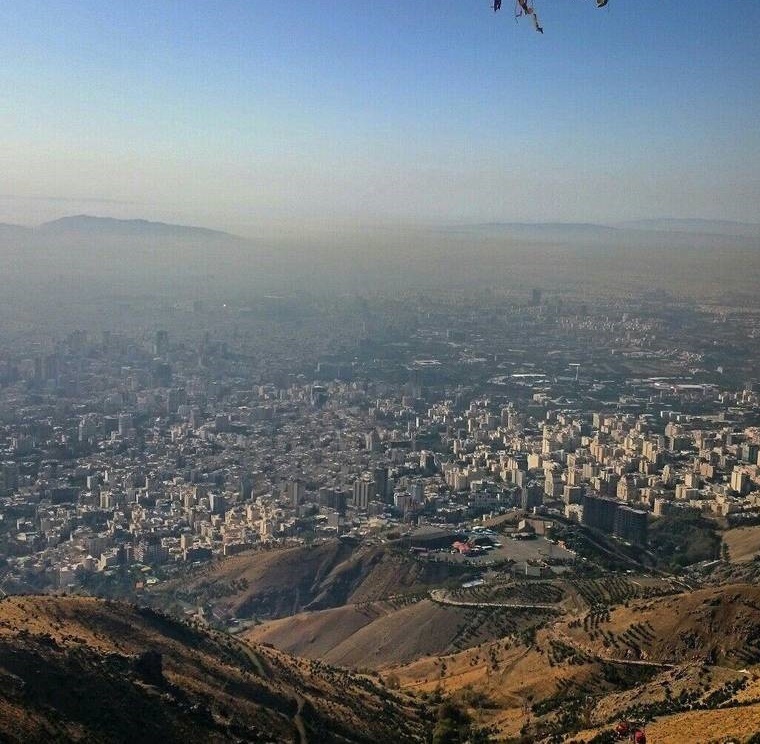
{"type": "Point", "coordinates": [351, 642]}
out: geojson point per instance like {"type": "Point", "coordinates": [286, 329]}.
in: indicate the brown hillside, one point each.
{"type": "Point", "coordinates": [74, 669]}
{"type": "Point", "coordinates": [282, 582]}
{"type": "Point", "coordinates": [546, 690]}
{"type": "Point", "coordinates": [743, 543]}
{"type": "Point", "coordinates": [502, 683]}
{"type": "Point", "coordinates": [696, 727]}
{"type": "Point", "coordinates": [654, 659]}
{"type": "Point", "coordinates": [378, 634]}
{"type": "Point", "coordinates": [718, 625]}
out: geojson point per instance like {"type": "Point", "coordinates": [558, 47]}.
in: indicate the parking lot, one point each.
{"type": "Point", "coordinates": [536, 549]}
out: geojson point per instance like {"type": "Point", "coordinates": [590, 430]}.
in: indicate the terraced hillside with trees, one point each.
{"type": "Point", "coordinates": [651, 660]}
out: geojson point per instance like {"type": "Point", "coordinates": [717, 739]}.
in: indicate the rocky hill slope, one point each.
{"type": "Point", "coordinates": [685, 662]}
{"type": "Point", "coordinates": [80, 669]}
{"type": "Point", "coordinates": [375, 635]}
{"type": "Point", "coordinates": [282, 582]}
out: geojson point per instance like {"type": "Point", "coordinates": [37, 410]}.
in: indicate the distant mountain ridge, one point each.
{"type": "Point", "coordinates": [537, 227]}
{"type": "Point", "coordinates": [547, 226]}
{"type": "Point", "coordinates": [704, 227]}
{"type": "Point", "coordinates": [144, 254]}
{"type": "Point", "coordinates": [587, 230]}
{"type": "Point", "coordinates": [89, 225]}
{"type": "Point", "coordinates": [10, 231]}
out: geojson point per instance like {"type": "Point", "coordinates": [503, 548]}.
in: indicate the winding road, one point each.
{"type": "Point", "coordinates": [440, 596]}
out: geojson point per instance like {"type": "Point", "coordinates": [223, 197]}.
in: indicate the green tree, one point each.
{"type": "Point", "coordinates": [452, 725]}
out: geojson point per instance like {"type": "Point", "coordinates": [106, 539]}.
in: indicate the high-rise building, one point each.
{"type": "Point", "coordinates": [739, 481]}
{"type": "Point", "coordinates": [615, 518]}
{"type": "Point", "coordinates": [125, 424]}
{"type": "Point", "coordinates": [749, 452]}
{"type": "Point", "coordinates": [553, 485]}
{"type": "Point", "coordinates": [296, 492]}
{"type": "Point", "coordinates": [380, 477]}
{"type": "Point", "coordinates": [372, 441]}
{"type": "Point", "coordinates": [417, 492]}
{"type": "Point", "coordinates": [161, 374]}
{"type": "Point", "coordinates": [631, 525]}
{"type": "Point", "coordinates": [531, 495]}
{"type": "Point", "coordinates": [364, 492]}
{"type": "Point", "coordinates": [217, 503]}
{"type": "Point", "coordinates": [161, 344]}
{"type": "Point", "coordinates": [599, 513]}
{"type": "Point", "coordinates": [150, 550]}
{"type": "Point", "coordinates": [427, 462]}
{"type": "Point", "coordinates": [49, 367]}
{"type": "Point", "coordinates": [9, 473]}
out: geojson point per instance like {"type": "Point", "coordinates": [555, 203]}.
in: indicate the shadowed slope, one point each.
{"type": "Point", "coordinates": [82, 669]}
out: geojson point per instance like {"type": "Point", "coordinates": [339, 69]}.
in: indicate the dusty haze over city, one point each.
{"type": "Point", "coordinates": [381, 371]}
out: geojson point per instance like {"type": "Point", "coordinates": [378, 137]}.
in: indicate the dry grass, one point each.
{"type": "Point", "coordinates": [743, 543]}
{"type": "Point", "coordinates": [214, 687]}
{"type": "Point", "coordinates": [282, 582]}
{"type": "Point", "coordinates": [379, 634]}
{"type": "Point", "coordinates": [707, 634]}
{"type": "Point", "coordinates": [696, 727]}
{"type": "Point", "coordinates": [508, 676]}
{"type": "Point", "coordinates": [717, 624]}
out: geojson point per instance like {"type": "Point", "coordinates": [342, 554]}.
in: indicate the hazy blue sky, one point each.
{"type": "Point", "coordinates": [235, 114]}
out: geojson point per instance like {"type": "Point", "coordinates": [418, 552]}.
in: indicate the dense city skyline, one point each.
{"type": "Point", "coordinates": [380, 371]}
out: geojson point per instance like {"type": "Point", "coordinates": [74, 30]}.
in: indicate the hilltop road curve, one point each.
{"type": "Point", "coordinates": [440, 596]}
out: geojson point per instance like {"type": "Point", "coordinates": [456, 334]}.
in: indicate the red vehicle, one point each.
{"type": "Point", "coordinates": [623, 730]}
{"type": "Point", "coordinates": [634, 732]}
